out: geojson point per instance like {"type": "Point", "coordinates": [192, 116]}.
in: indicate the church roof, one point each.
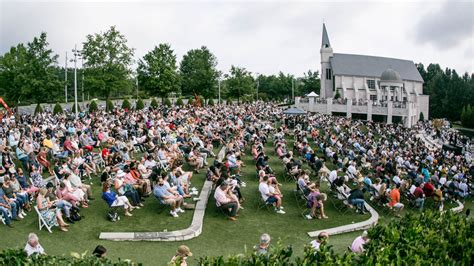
{"type": "Point", "coordinates": [325, 42]}
{"type": "Point", "coordinates": [373, 66]}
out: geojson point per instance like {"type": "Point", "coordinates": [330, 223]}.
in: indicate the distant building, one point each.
{"type": "Point", "coordinates": [368, 87]}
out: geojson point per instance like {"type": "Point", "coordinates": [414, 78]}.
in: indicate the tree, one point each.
{"type": "Point", "coordinates": [140, 105]}
{"type": "Point", "coordinates": [57, 109]}
{"type": "Point", "coordinates": [275, 87]}
{"type": "Point", "coordinates": [308, 83]}
{"type": "Point", "coordinates": [93, 107]}
{"type": "Point", "coordinates": [107, 60]}
{"type": "Point", "coordinates": [210, 102]}
{"type": "Point", "coordinates": [467, 117]}
{"type": "Point", "coordinates": [28, 73]}
{"type": "Point", "coordinates": [157, 71]}
{"type": "Point", "coordinates": [422, 116]}
{"type": "Point", "coordinates": [198, 73]}
{"type": "Point", "coordinates": [239, 82]}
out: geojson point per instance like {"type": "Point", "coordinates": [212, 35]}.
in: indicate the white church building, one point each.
{"type": "Point", "coordinates": [367, 87]}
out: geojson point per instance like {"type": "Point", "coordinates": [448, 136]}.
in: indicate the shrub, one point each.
{"type": "Point", "coordinates": [167, 102]}
{"type": "Point", "coordinates": [429, 238]}
{"type": "Point", "coordinates": [422, 116]}
{"type": "Point", "coordinates": [179, 102]}
{"type": "Point", "coordinates": [191, 100]}
{"type": "Point", "coordinates": [338, 95]}
{"type": "Point", "coordinates": [126, 105]}
{"type": "Point", "coordinates": [154, 103]}
{"type": "Point", "coordinates": [203, 101]}
{"type": "Point", "coordinates": [93, 107]}
{"type": "Point", "coordinates": [38, 109]}
{"type": "Point", "coordinates": [18, 257]}
{"type": "Point", "coordinates": [229, 101]}
{"type": "Point", "coordinates": [109, 106]}
{"type": "Point", "coordinates": [140, 105]}
{"type": "Point", "coordinates": [210, 102]}
{"type": "Point", "coordinates": [57, 109]}
{"type": "Point", "coordinates": [74, 108]}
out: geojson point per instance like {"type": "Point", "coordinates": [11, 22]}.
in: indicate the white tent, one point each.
{"type": "Point", "coordinates": [312, 94]}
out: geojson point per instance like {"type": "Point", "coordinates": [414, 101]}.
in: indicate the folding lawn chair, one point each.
{"type": "Point", "coordinates": [41, 222]}
{"type": "Point", "coordinates": [2, 219]}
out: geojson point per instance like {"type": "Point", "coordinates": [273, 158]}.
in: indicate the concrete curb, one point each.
{"type": "Point", "coordinates": [194, 230]}
{"type": "Point", "coordinates": [374, 217]}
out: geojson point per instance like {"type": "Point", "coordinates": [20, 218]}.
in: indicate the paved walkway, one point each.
{"type": "Point", "coordinates": [179, 235]}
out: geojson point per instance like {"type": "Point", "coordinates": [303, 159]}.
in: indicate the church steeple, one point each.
{"type": "Point", "coordinates": [327, 90]}
{"type": "Point", "coordinates": [325, 42]}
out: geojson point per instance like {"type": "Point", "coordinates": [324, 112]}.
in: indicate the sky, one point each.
{"type": "Point", "coordinates": [265, 37]}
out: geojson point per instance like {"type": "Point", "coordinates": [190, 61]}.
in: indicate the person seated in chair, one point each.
{"type": "Point", "coordinates": [224, 200]}
{"type": "Point", "coordinates": [269, 197]}
{"type": "Point", "coordinates": [356, 198]}
{"type": "Point", "coordinates": [116, 201]}
{"type": "Point", "coordinates": [166, 195]}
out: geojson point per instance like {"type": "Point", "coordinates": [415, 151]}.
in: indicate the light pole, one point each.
{"type": "Point", "coordinates": [65, 79]}
{"type": "Point", "coordinates": [76, 55]}
{"type": "Point", "coordinates": [219, 86]}
{"type": "Point", "coordinates": [293, 89]}
{"type": "Point", "coordinates": [82, 83]}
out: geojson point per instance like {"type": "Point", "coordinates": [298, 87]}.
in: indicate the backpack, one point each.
{"type": "Point", "coordinates": [113, 216]}
{"type": "Point", "coordinates": [75, 215]}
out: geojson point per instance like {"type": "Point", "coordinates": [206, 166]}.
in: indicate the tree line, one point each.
{"type": "Point", "coordinates": [451, 95]}
{"type": "Point", "coordinates": [30, 73]}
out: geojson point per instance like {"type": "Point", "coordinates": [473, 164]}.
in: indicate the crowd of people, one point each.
{"type": "Point", "coordinates": [49, 162]}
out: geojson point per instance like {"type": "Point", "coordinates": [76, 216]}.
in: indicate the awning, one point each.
{"type": "Point", "coordinates": [294, 111]}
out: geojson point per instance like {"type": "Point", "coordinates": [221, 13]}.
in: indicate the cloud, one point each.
{"type": "Point", "coordinates": [262, 36]}
{"type": "Point", "coordinates": [447, 26]}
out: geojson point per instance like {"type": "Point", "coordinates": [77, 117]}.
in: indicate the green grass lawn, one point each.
{"type": "Point", "coordinates": [219, 235]}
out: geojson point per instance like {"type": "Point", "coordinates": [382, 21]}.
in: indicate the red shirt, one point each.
{"type": "Point", "coordinates": [428, 189]}
{"type": "Point", "coordinates": [418, 192]}
{"type": "Point", "coordinates": [68, 145]}
{"type": "Point", "coordinates": [105, 152]}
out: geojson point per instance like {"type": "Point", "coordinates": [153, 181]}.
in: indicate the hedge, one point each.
{"type": "Point", "coordinates": [429, 238]}
{"type": "Point", "coordinates": [18, 257]}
